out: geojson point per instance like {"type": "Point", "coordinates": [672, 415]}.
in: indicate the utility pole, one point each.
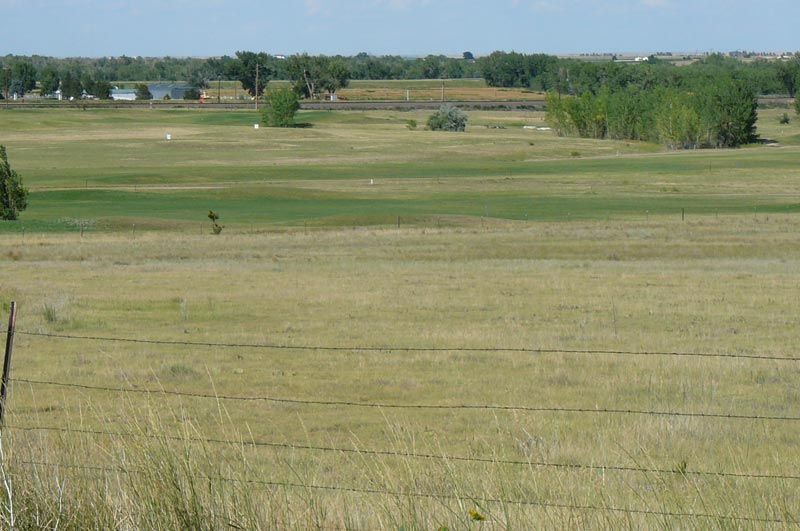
{"type": "Point", "coordinates": [219, 88]}
{"type": "Point", "coordinates": [256, 86]}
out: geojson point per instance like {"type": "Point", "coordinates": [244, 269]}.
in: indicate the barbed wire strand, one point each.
{"type": "Point", "coordinates": [426, 495]}
{"type": "Point", "coordinates": [412, 455]}
{"type": "Point", "coordinates": [356, 348]}
{"type": "Point", "coordinates": [386, 405]}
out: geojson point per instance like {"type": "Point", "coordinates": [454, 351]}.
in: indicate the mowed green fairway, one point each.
{"type": "Point", "coordinates": [520, 348]}
{"type": "Point", "coordinates": [110, 169]}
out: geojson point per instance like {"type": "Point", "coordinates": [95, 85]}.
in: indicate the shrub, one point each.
{"type": "Point", "coordinates": [447, 118]}
{"type": "Point", "coordinates": [411, 124]}
{"type": "Point", "coordinates": [282, 105]}
{"type": "Point", "coordinates": [192, 94]}
{"type": "Point", "coordinates": [143, 92]}
{"type": "Point", "coordinates": [216, 228]}
{"type": "Point", "coordinates": [784, 120]}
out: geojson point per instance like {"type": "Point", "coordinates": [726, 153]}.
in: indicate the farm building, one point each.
{"type": "Point", "coordinates": [158, 90]}
{"type": "Point", "coordinates": [175, 92]}
{"type": "Point", "coordinates": [123, 94]}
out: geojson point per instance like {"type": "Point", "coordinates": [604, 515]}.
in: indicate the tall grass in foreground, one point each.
{"type": "Point", "coordinates": [141, 475]}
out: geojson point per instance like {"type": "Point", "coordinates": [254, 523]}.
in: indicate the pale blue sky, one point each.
{"type": "Point", "coordinates": [405, 27]}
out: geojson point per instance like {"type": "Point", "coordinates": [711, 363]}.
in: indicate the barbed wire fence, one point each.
{"type": "Point", "coordinates": [7, 380]}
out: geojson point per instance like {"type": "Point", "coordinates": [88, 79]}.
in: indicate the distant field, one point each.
{"type": "Point", "coordinates": [112, 168]}
{"type": "Point", "coordinates": [392, 90]}
{"type": "Point", "coordinates": [509, 238]}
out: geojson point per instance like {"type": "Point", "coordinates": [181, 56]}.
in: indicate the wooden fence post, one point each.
{"type": "Point", "coordinates": [12, 320]}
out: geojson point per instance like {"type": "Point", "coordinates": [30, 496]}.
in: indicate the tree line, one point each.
{"type": "Point", "coordinates": [314, 75]}
{"type": "Point", "coordinates": [575, 76]}
{"type": "Point", "coordinates": [722, 113]}
{"type": "Point", "coordinates": [500, 69]}
{"type": "Point", "coordinates": [20, 74]}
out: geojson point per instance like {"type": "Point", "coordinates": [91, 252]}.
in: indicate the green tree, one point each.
{"type": "Point", "coordinates": [99, 89]}
{"type": "Point", "coordinates": [282, 105]}
{"type": "Point", "coordinates": [102, 89]}
{"type": "Point", "coordinates": [71, 86]}
{"type": "Point", "coordinates": [797, 106]}
{"type": "Point", "coordinates": [789, 75]}
{"type": "Point", "coordinates": [447, 118]}
{"type": "Point", "coordinates": [17, 87]}
{"type": "Point", "coordinates": [143, 92]}
{"type": "Point", "coordinates": [556, 114]}
{"type": "Point", "coordinates": [728, 111]}
{"type": "Point", "coordinates": [5, 80]}
{"type": "Point", "coordinates": [677, 121]}
{"type": "Point", "coordinates": [336, 75]}
{"type": "Point", "coordinates": [13, 195]}
{"type": "Point", "coordinates": [313, 75]}
{"type": "Point", "coordinates": [588, 114]}
{"type": "Point", "coordinates": [49, 80]}
{"type": "Point", "coordinates": [249, 66]}
{"type": "Point", "coordinates": [25, 73]}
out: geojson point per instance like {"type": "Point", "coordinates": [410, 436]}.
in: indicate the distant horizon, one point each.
{"type": "Point", "coordinates": [409, 28]}
{"type": "Point", "coordinates": [659, 53]}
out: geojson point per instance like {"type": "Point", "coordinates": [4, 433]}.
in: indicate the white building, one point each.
{"type": "Point", "coordinates": [123, 94]}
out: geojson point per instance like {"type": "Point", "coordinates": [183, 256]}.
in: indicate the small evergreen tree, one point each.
{"type": "Point", "coordinates": [447, 118]}
{"type": "Point", "coordinates": [13, 195]}
{"type": "Point", "coordinates": [282, 105]}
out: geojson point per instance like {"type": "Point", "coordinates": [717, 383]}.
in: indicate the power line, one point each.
{"type": "Point", "coordinates": [521, 350]}
{"type": "Point", "coordinates": [383, 405]}
{"type": "Point", "coordinates": [426, 495]}
{"type": "Point", "coordinates": [412, 455]}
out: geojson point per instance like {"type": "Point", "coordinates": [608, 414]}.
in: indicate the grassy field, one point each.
{"type": "Point", "coordinates": [509, 238]}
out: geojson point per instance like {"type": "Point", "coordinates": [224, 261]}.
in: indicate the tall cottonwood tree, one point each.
{"type": "Point", "coordinates": [313, 75]}
{"type": "Point", "coordinates": [251, 68]}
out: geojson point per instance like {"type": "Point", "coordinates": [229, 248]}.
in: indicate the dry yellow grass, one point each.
{"type": "Point", "coordinates": [724, 285]}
